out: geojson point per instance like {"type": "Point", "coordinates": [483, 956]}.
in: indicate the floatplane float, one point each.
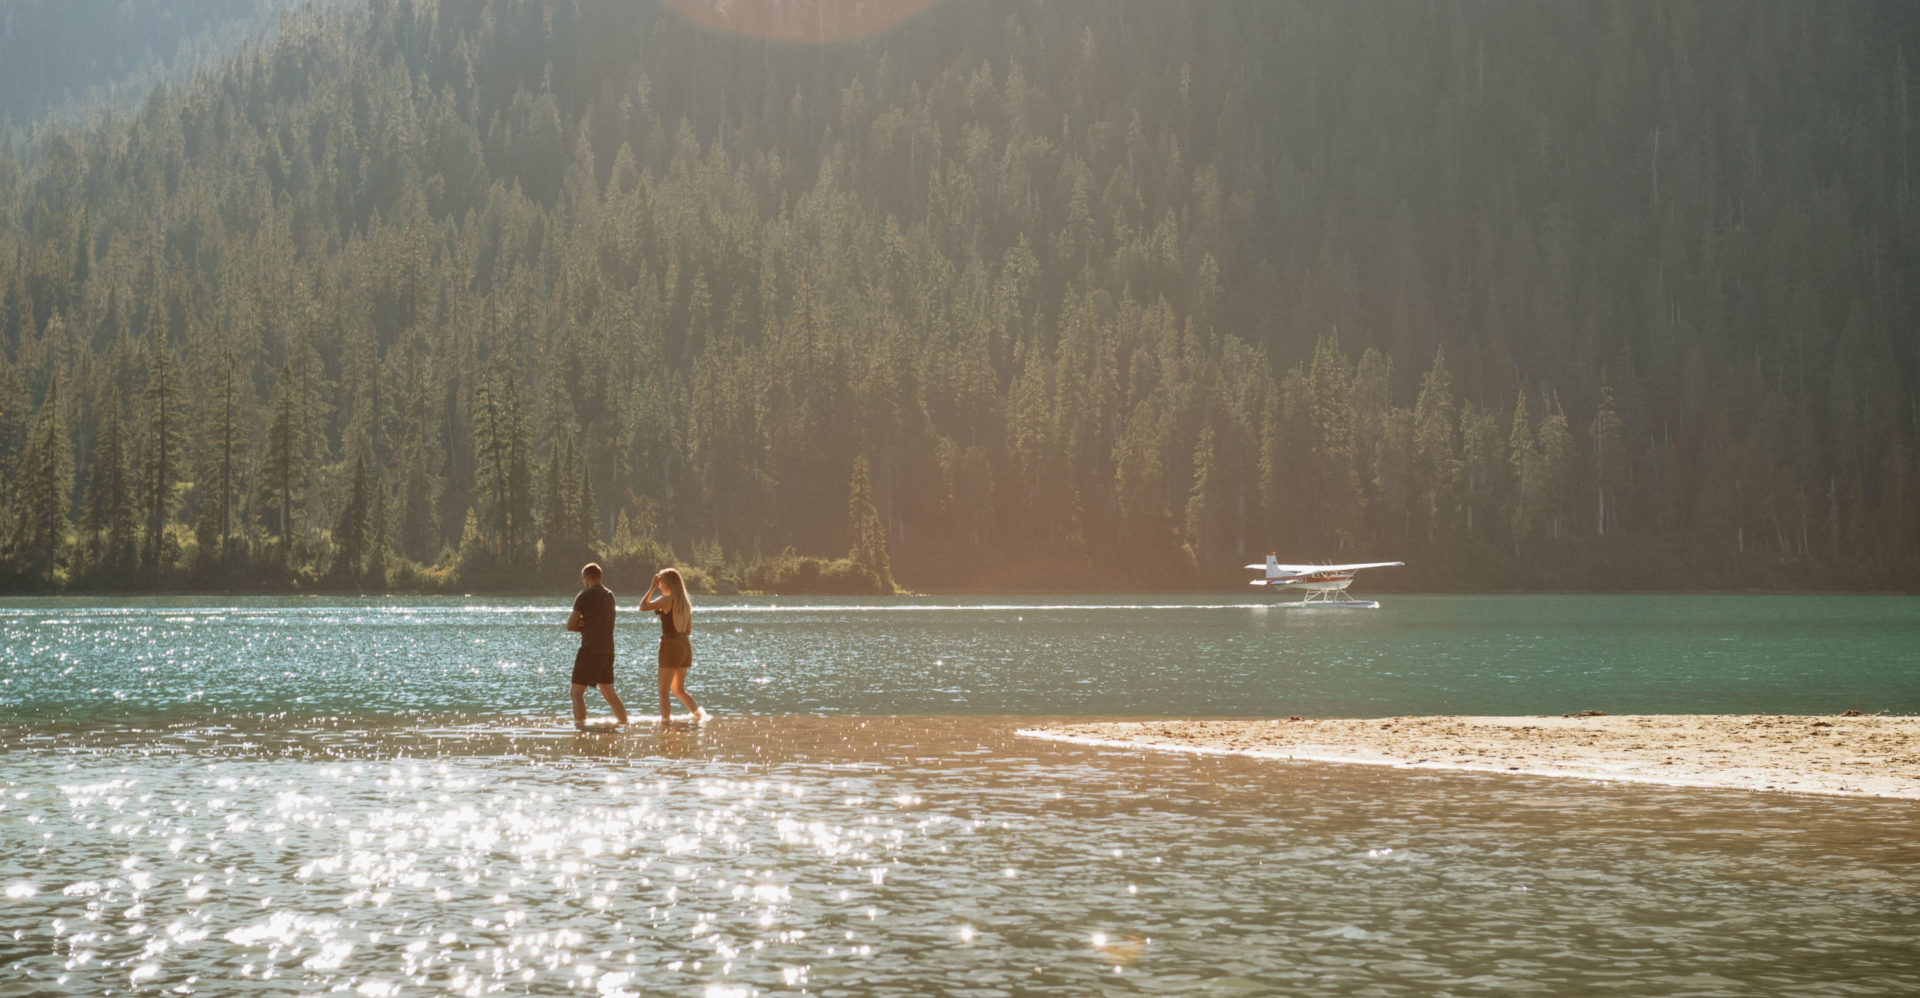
{"type": "Point", "coordinates": [1323, 586]}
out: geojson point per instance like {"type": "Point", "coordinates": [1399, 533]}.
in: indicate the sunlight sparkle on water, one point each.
{"type": "Point", "coordinates": [464, 839]}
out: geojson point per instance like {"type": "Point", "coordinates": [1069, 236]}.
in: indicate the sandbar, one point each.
{"type": "Point", "coordinates": [1850, 755]}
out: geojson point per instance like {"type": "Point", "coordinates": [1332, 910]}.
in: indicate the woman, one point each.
{"type": "Point", "coordinates": [667, 597]}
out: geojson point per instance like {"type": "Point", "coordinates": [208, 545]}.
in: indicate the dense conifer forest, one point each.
{"type": "Point", "coordinates": [1103, 294]}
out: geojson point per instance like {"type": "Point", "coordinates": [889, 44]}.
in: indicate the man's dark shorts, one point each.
{"type": "Point", "coordinates": [591, 668]}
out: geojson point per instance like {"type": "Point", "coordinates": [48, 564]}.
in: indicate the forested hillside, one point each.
{"type": "Point", "coordinates": [1109, 294]}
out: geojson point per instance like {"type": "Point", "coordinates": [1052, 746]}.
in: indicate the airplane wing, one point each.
{"type": "Point", "coordinates": [1348, 568]}
{"type": "Point", "coordinates": [1286, 570]}
{"type": "Point", "coordinates": [1316, 569]}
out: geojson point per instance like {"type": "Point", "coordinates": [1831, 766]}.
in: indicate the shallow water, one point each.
{"type": "Point", "coordinates": [383, 798]}
{"type": "Point", "coordinates": [908, 854]}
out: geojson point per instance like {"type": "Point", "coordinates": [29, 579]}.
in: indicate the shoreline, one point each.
{"type": "Point", "coordinates": [1832, 755]}
{"type": "Point", "coordinates": [935, 592]}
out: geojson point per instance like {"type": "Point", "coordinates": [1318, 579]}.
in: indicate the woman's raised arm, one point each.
{"type": "Point", "coordinates": [647, 602]}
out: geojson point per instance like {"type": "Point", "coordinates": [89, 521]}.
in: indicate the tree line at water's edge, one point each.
{"type": "Point", "coordinates": [454, 297]}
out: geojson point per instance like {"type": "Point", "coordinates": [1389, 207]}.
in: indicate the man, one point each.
{"type": "Point", "coordinates": [592, 617]}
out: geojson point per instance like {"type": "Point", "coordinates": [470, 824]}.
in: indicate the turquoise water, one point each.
{"type": "Point", "coordinates": [383, 797]}
{"type": "Point", "coordinates": [126, 659]}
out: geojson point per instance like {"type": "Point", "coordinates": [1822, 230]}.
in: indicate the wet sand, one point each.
{"type": "Point", "coordinates": [1868, 756]}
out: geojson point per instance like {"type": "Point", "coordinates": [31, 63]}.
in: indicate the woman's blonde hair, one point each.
{"type": "Point", "coordinates": [682, 606]}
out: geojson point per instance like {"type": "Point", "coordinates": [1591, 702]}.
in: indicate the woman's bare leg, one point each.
{"type": "Point", "coordinates": [666, 695]}
{"type": "Point", "coordinates": [680, 690]}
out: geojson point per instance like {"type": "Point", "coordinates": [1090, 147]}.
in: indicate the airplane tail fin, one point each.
{"type": "Point", "coordinates": [1273, 565]}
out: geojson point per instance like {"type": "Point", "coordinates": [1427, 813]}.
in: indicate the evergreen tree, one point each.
{"type": "Point", "coordinates": [165, 420]}
{"type": "Point", "coordinates": [45, 493]}
{"type": "Point", "coordinates": [13, 433]}
{"type": "Point", "coordinates": [1438, 463]}
{"type": "Point", "coordinates": [587, 529]}
{"type": "Point", "coordinates": [870, 535]}
{"type": "Point", "coordinates": [1526, 485]}
{"type": "Point", "coordinates": [111, 522]}
{"type": "Point", "coordinates": [562, 506]}
{"type": "Point", "coordinates": [1334, 478]}
{"type": "Point", "coordinates": [421, 487]}
{"type": "Point", "coordinates": [1202, 502]}
{"type": "Point", "coordinates": [503, 467]}
{"type": "Point", "coordinates": [283, 467]}
{"type": "Point", "coordinates": [1483, 462]}
{"type": "Point", "coordinates": [373, 575]}
{"type": "Point", "coordinates": [419, 503]}
{"type": "Point", "coordinates": [1555, 468]}
{"type": "Point", "coordinates": [221, 445]}
{"type": "Point", "coordinates": [1607, 457]}
{"type": "Point", "coordinates": [350, 530]}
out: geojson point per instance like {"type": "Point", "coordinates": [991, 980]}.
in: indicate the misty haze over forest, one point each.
{"type": "Point", "coordinates": [455, 296]}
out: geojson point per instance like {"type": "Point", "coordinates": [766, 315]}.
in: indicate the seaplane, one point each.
{"type": "Point", "coordinates": [1323, 586]}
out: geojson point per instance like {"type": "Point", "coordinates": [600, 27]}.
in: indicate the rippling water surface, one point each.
{"type": "Point", "coordinates": [381, 798]}
{"type": "Point", "coordinates": [119, 659]}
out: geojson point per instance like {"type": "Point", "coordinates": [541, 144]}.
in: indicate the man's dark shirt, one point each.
{"type": "Point", "coordinates": [595, 607]}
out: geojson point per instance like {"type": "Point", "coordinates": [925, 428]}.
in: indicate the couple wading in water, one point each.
{"type": "Point", "coordinates": [592, 617]}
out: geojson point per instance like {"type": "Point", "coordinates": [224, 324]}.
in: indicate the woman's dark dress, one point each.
{"type": "Point", "coordinates": [676, 648]}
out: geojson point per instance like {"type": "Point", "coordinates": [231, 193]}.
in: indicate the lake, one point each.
{"type": "Point", "coordinates": [382, 797]}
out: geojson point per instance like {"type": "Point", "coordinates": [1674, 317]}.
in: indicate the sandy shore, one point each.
{"type": "Point", "coordinates": [1870, 756]}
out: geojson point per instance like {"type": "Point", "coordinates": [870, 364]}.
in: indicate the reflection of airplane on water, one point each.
{"type": "Point", "coordinates": [1324, 585]}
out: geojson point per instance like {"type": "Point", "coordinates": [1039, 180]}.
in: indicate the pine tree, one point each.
{"type": "Point", "coordinates": [1334, 482]}
{"type": "Point", "coordinates": [374, 575]}
{"type": "Point", "coordinates": [492, 453]}
{"type": "Point", "coordinates": [1433, 440]}
{"type": "Point", "coordinates": [207, 554]}
{"type": "Point", "coordinates": [420, 486]}
{"type": "Point", "coordinates": [419, 501]}
{"type": "Point", "coordinates": [869, 533]}
{"type": "Point", "coordinates": [160, 461]}
{"type": "Point", "coordinates": [222, 441]}
{"type": "Point", "coordinates": [561, 506]}
{"type": "Point", "coordinates": [588, 527]}
{"type": "Point", "coordinates": [283, 469]}
{"type": "Point", "coordinates": [1555, 467]}
{"type": "Point", "coordinates": [14, 424]}
{"type": "Point", "coordinates": [1520, 453]}
{"type": "Point", "coordinates": [46, 489]}
{"type": "Point", "coordinates": [1202, 500]}
{"type": "Point", "coordinates": [504, 475]}
{"type": "Point", "coordinates": [350, 529]}
{"type": "Point", "coordinates": [1482, 461]}
{"type": "Point", "coordinates": [111, 522]}
{"type": "Point", "coordinates": [1607, 456]}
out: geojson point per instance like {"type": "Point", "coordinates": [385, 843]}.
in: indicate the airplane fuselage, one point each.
{"type": "Point", "coordinates": [1323, 581]}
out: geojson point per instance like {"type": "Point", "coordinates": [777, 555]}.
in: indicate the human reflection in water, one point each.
{"type": "Point", "coordinates": [681, 741]}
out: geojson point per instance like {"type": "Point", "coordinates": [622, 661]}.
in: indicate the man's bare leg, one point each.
{"type": "Point", "coordinates": [579, 705]}
{"type": "Point", "coordinates": [613, 700]}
